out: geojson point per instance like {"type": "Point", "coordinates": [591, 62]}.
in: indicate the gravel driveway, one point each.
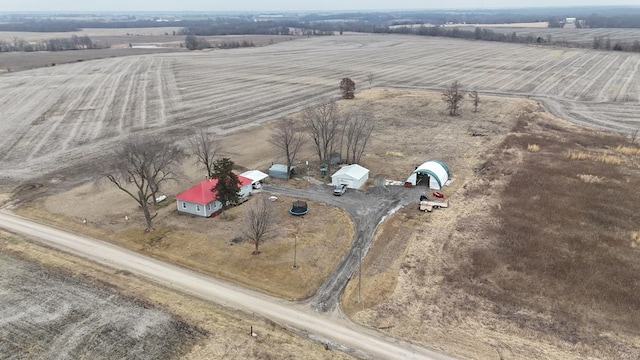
{"type": "Point", "coordinates": [367, 209]}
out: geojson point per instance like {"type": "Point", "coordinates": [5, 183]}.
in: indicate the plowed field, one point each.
{"type": "Point", "coordinates": [65, 115]}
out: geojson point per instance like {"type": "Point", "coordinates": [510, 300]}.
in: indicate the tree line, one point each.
{"type": "Point", "coordinates": [602, 43]}
{"type": "Point", "coordinates": [193, 42]}
{"type": "Point", "coordinates": [72, 43]}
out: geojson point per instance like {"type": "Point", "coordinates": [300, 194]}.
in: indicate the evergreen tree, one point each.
{"type": "Point", "coordinates": [228, 185]}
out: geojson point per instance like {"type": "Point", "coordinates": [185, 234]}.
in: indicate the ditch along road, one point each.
{"type": "Point", "coordinates": [337, 333]}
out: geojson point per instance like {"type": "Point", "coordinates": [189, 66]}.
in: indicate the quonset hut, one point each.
{"type": "Point", "coordinates": [433, 173]}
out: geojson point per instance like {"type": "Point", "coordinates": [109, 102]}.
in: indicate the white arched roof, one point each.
{"type": "Point", "coordinates": [438, 171]}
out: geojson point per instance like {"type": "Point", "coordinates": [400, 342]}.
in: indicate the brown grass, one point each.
{"type": "Point", "coordinates": [533, 259]}
{"type": "Point", "coordinates": [627, 150]}
{"type": "Point", "coordinates": [604, 158]}
{"type": "Point", "coordinates": [382, 263]}
{"type": "Point", "coordinates": [562, 239]}
{"type": "Point", "coordinates": [215, 246]}
{"type": "Point", "coordinates": [534, 148]}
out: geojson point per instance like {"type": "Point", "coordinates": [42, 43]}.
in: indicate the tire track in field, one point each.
{"type": "Point", "coordinates": [62, 128]}
{"type": "Point", "coordinates": [584, 94]}
{"type": "Point", "coordinates": [607, 89]}
{"type": "Point", "coordinates": [50, 141]}
{"type": "Point", "coordinates": [535, 81]}
{"type": "Point", "coordinates": [106, 118]}
{"type": "Point", "coordinates": [86, 126]}
{"type": "Point", "coordinates": [579, 79]}
{"type": "Point", "coordinates": [25, 110]}
{"type": "Point", "coordinates": [624, 89]}
{"type": "Point", "coordinates": [556, 76]}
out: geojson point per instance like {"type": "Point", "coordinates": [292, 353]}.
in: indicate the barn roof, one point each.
{"type": "Point", "coordinates": [202, 194]}
{"type": "Point", "coordinates": [435, 168]}
{"type": "Point", "coordinates": [355, 171]}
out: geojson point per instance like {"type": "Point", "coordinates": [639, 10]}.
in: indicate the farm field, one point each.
{"type": "Point", "coordinates": [47, 314]}
{"type": "Point", "coordinates": [65, 115]}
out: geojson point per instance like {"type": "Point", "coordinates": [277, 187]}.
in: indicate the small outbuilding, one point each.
{"type": "Point", "coordinates": [354, 176]}
{"type": "Point", "coordinates": [433, 173]}
{"type": "Point", "coordinates": [200, 200]}
{"type": "Point", "coordinates": [279, 171]}
{"type": "Point", "coordinates": [256, 177]}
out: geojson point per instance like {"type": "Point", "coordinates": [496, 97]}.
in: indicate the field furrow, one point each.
{"type": "Point", "coordinates": [89, 106]}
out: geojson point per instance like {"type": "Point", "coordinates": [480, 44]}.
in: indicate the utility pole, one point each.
{"type": "Point", "coordinates": [295, 250]}
{"type": "Point", "coordinates": [308, 177]}
{"type": "Point", "coordinates": [359, 271]}
{"type": "Point", "coordinates": [295, 244]}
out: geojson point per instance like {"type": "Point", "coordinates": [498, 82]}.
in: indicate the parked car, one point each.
{"type": "Point", "coordinates": [339, 189]}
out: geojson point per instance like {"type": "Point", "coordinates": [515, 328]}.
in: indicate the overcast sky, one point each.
{"type": "Point", "coordinates": [282, 5]}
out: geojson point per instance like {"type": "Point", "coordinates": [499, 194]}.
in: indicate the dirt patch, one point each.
{"type": "Point", "coordinates": [535, 258]}
{"type": "Point", "coordinates": [222, 334]}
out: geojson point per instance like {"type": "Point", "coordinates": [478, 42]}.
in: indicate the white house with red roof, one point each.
{"type": "Point", "coordinates": [201, 201]}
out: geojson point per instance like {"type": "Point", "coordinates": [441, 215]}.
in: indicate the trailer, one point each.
{"type": "Point", "coordinates": [428, 205]}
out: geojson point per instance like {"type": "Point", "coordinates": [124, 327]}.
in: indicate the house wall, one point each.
{"type": "Point", "coordinates": [199, 209]}
{"type": "Point", "coordinates": [245, 190]}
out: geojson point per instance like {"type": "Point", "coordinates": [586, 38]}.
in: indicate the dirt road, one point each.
{"type": "Point", "coordinates": [337, 333]}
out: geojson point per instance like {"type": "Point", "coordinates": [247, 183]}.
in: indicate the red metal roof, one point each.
{"type": "Point", "coordinates": [202, 194]}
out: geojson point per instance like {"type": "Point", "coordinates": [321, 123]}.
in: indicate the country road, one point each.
{"type": "Point", "coordinates": [346, 336]}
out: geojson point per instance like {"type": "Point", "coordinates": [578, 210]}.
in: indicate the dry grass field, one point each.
{"type": "Point", "coordinates": [536, 258]}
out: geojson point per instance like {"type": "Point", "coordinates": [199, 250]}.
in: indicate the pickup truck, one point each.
{"type": "Point", "coordinates": [339, 189]}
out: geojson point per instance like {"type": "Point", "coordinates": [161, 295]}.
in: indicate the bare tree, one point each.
{"type": "Point", "coordinates": [358, 130]}
{"type": "Point", "coordinates": [348, 88]}
{"type": "Point", "coordinates": [260, 222]}
{"type": "Point", "coordinates": [634, 135]}
{"type": "Point", "coordinates": [476, 100]}
{"type": "Point", "coordinates": [139, 167]}
{"type": "Point", "coordinates": [323, 124]}
{"type": "Point", "coordinates": [288, 138]}
{"type": "Point", "coordinates": [453, 97]}
{"type": "Point", "coordinates": [370, 78]}
{"type": "Point", "coordinates": [206, 148]}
